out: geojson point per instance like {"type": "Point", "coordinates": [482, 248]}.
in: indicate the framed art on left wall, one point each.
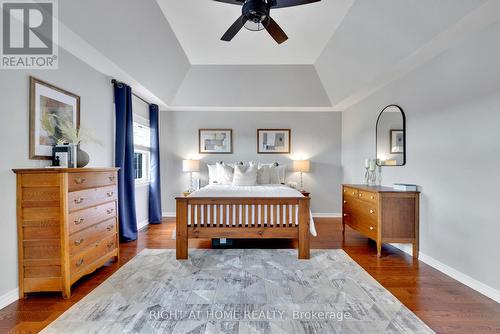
{"type": "Point", "coordinates": [50, 107]}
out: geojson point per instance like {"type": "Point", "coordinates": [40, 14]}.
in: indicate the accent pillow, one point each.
{"type": "Point", "coordinates": [245, 176]}
{"type": "Point", "coordinates": [264, 175]}
{"type": "Point", "coordinates": [277, 174]}
{"type": "Point", "coordinates": [213, 175]}
{"type": "Point", "coordinates": [225, 173]}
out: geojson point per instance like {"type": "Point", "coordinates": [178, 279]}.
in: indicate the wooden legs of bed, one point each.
{"type": "Point", "coordinates": [219, 224]}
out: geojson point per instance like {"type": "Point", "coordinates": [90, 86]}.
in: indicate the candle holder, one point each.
{"type": "Point", "coordinates": [379, 180]}
{"type": "Point", "coordinates": [367, 175]}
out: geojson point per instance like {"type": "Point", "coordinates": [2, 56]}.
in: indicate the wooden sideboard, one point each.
{"type": "Point", "coordinates": [382, 214]}
{"type": "Point", "coordinates": [67, 225]}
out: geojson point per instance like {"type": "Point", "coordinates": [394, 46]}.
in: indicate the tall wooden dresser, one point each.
{"type": "Point", "coordinates": [67, 226]}
{"type": "Point", "coordinates": [382, 214]}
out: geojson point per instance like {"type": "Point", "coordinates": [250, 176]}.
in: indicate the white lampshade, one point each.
{"type": "Point", "coordinates": [190, 165]}
{"type": "Point", "coordinates": [302, 166]}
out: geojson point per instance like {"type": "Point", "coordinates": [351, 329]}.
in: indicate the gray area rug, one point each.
{"type": "Point", "coordinates": [239, 291]}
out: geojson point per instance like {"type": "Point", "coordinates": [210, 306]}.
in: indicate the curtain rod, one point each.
{"type": "Point", "coordinates": [114, 82]}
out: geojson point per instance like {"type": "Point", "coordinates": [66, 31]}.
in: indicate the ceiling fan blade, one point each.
{"type": "Point", "coordinates": [292, 3]}
{"type": "Point", "coordinates": [234, 29]}
{"type": "Point", "coordinates": [232, 2]}
{"type": "Point", "coordinates": [275, 31]}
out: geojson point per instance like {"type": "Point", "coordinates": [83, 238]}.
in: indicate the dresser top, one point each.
{"type": "Point", "coordinates": [377, 189]}
{"type": "Point", "coordinates": [63, 170]}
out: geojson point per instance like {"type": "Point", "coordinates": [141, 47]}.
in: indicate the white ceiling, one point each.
{"type": "Point", "coordinates": [199, 25]}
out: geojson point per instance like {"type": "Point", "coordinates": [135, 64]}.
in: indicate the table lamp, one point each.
{"type": "Point", "coordinates": [190, 166]}
{"type": "Point", "coordinates": [302, 166]}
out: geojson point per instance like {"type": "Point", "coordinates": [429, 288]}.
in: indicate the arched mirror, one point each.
{"type": "Point", "coordinates": [391, 137]}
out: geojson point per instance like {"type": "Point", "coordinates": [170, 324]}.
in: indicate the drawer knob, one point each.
{"type": "Point", "coordinates": [372, 197]}
{"type": "Point", "coordinates": [345, 202]}
{"type": "Point", "coordinates": [110, 227]}
{"type": "Point", "coordinates": [360, 195]}
{"type": "Point", "coordinates": [80, 180]}
{"type": "Point", "coordinates": [78, 242]}
{"type": "Point", "coordinates": [110, 193]}
{"type": "Point", "coordinates": [110, 211]}
{"type": "Point", "coordinates": [345, 215]}
{"type": "Point", "coordinates": [79, 262]}
{"type": "Point", "coordinates": [79, 200]}
{"type": "Point", "coordinates": [111, 178]}
{"type": "Point", "coordinates": [371, 228]}
{"type": "Point", "coordinates": [79, 221]}
{"type": "Point", "coordinates": [110, 245]}
{"type": "Point", "coordinates": [372, 211]}
{"type": "Point", "coordinates": [353, 193]}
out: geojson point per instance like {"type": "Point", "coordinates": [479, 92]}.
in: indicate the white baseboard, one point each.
{"type": "Point", "coordinates": [143, 224]}
{"type": "Point", "coordinates": [472, 283]}
{"type": "Point", "coordinates": [9, 298]}
{"type": "Point", "coordinates": [315, 215]}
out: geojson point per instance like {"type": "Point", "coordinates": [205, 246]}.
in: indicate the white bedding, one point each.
{"type": "Point", "coordinates": [270, 190]}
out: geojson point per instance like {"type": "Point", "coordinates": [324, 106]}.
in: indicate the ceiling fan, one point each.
{"type": "Point", "coordinates": [256, 16]}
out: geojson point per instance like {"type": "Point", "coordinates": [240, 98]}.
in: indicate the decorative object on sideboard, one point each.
{"type": "Point", "coordinates": [215, 141]}
{"type": "Point", "coordinates": [391, 137]}
{"type": "Point", "coordinates": [191, 166]}
{"type": "Point", "coordinates": [302, 166]}
{"type": "Point", "coordinates": [405, 187]}
{"type": "Point", "coordinates": [51, 109]}
{"type": "Point", "coordinates": [64, 156]}
{"type": "Point", "coordinates": [274, 141]}
{"type": "Point", "coordinates": [370, 174]}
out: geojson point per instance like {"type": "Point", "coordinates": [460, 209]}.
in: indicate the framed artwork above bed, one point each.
{"type": "Point", "coordinates": [274, 141]}
{"type": "Point", "coordinates": [215, 141]}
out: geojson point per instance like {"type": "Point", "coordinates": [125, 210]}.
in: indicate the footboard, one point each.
{"type": "Point", "coordinates": [246, 217]}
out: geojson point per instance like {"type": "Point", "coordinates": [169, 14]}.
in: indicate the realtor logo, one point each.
{"type": "Point", "coordinates": [29, 34]}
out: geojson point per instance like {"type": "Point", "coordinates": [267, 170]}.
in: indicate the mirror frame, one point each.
{"type": "Point", "coordinates": [404, 134]}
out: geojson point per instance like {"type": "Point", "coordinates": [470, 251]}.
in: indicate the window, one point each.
{"type": "Point", "coordinates": [142, 146]}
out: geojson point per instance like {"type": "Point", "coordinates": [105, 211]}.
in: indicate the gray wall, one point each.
{"type": "Point", "coordinates": [96, 115]}
{"type": "Point", "coordinates": [452, 106]}
{"type": "Point", "coordinates": [252, 85]}
{"type": "Point", "coordinates": [316, 136]}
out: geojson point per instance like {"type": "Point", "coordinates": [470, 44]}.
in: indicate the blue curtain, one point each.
{"type": "Point", "coordinates": [154, 185]}
{"type": "Point", "coordinates": [124, 158]}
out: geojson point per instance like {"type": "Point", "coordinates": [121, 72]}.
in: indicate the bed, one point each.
{"type": "Point", "coordinates": [226, 211]}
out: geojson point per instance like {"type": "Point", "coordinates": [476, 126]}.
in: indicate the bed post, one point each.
{"type": "Point", "coordinates": [304, 221]}
{"type": "Point", "coordinates": [181, 228]}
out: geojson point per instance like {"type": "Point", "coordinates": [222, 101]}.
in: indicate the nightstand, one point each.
{"type": "Point", "coordinates": [305, 193]}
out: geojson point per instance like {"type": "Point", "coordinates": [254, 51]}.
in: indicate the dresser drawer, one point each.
{"type": "Point", "coordinates": [368, 196]}
{"type": "Point", "coordinates": [86, 198]}
{"type": "Point", "coordinates": [350, 192]}
{"type": "Point", "coordinates": [368, 228]}
{"type": "Point", "coordinates": [83, 260]}
{"type": "Point", "coordinates": [81, 240]}
{"type": "Point", "coordinates": [79, 181]}
{"type": "Point", "coordinates": [83, 219]}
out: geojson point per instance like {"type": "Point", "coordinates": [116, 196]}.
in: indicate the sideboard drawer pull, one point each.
{"type": "Point", "coordinates": [345, 214]}
{"type": "Point", "coordinates": [110, 245]}
{"type": "Point", "coordinates": [345, 202]}
{"type": "Point", "coordinates": [111, 178]}
{"type": "Point", "coordinates": [372, 197]}
{"type": "Point", "coordinates": [79, 221]}
{"type": "Point", "coordinates": [110, 211]}
{"type": "Point", "coordinates": [79, 200]}
{"type": "Point", "coordinates": [372, 211]}
{"type": "Point", "coordinates": [79, 242]}
{"type": "Point", "coordinates": [79, 262]}
{"type": "Point", "coordinates": [110, 227]}
{"type": "Point", "coordinates": [371, 228]}
{"type": "Point", "coordinates": [110, 193]}
{"type": "Point", "coordinates": [80, 180]}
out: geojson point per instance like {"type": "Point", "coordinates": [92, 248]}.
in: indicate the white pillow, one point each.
{"type": "Point", "coordinates": [277, 174]}
{"type": "Point", "coordinates": [245, 176]}
{"type": "Point", "coordinates": [264, 175]}
{"type": "Point", "coordinates": [225, 173]}
{"type": "Point", "coordinates": [213, 175]}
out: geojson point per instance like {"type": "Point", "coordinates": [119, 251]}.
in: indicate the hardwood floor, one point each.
{"type": "Point", "coordinates": [446, 305]}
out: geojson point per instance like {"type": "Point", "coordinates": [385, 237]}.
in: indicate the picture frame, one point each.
{"type": "Point", "coordinates": [215, 141]}
{"type": "Point", "coordinates": [274, 141]}
{"type": "Point", "coordinates": [397, 141]}
{"type": "Point", "coordinates": [47, 98]}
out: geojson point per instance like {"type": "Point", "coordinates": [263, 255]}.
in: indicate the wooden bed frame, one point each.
{"type": "Point", "coordinates": [239, 229]}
